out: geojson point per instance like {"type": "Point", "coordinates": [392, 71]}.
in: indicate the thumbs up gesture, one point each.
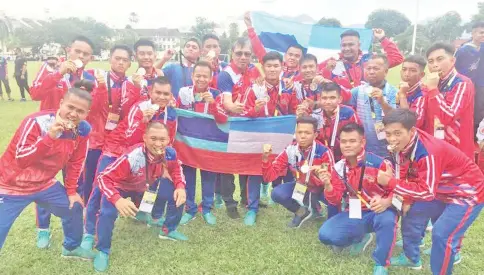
{"type": "Point", "coordinates": [384, 177]}
{"type": "Point", "coordinates": [100, 78]}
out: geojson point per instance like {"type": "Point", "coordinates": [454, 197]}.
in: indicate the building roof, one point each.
{"type": "Point", "coordinates": [157, 32]}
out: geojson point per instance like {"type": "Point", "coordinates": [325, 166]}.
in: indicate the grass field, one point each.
{"type": "Point", "coordinates": [228, 248]}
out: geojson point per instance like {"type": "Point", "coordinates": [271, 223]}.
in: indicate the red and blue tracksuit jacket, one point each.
{"type": "Point", "coordinates": [433, 169]}
{"type": "Point", "coordinates": [149, 77]}
{"type": "Point", "coordinates": [186, 100]}
{"type": "Point", "coordinates": [128, 173]}
{"type": "Point", "coordinates": [369, 187]}
{"type": "Point", "coordinates": [33, 159]}
{"type": "Point", "coordinates": [219, 67]}
{"type": "Point", "coordinates": [453, 104]}
{"type": "Point", "coordinates": [293, 158]}
{"type": "Point", "coordinates": [328, 135]}
{"type": "Point", "coordinates": [49, 86]}
{"type": "Point", "coordinates": [123, 95]}
{"type": "Point", "coordinates": [417, 103]}
{"type": "Point", "coordinates": [280, 99]}
{"type": "Point", "coordinates": [353, 75]}
{"type": "Point", "coordinates": [130, 131]}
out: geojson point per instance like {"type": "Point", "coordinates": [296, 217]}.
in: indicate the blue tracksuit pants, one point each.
{"type": "Point", "coordinates": [208, 189]}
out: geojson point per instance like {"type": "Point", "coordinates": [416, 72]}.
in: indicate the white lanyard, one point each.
{"type": "Point", "coordinates": [397, 160]}
{"type": "Point", "coordinates": [335, 128]}
{"type": "Point", "coordinates": [165, 118]}
{"type": "Point", "coordinates": [311, 159]}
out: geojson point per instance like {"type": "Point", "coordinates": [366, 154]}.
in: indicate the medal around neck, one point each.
{"type": "Point", "coordinates": [78, 63]}
{"type": "Point", "coordinates": [313, 86]}
{"type": "Point", "coordinates": [305, 168]}
{"type": "Point", "coordinates": [141, 71]}
{"type": "Point", "coordinates": [155, 107]}
{"type": "Point", "coordinates": [369, 90]}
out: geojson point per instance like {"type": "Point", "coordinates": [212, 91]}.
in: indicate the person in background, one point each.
{"type": "Point", "coordinates": [372, 101]}
{"type": "Point", "coordinates": [347, 69]}
{"type": "Point", "coordinates": [4, 78]}
{"type": "Point", "coordinates": [21, 74]}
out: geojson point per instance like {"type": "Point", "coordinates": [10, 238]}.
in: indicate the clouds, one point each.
{"type": "Point", "coordinates": [176, 14]}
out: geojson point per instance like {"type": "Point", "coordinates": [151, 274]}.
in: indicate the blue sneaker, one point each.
{"type": "Point", "coordinates": [457, 258]}
{"type": "Point", "coordinates": [101, 262]}
{"type": "Point", "coordinates": [402, 261]}
{"type": "Point", "coordinates": [429, 227]}
{"type": "Point", "coordinates": [87, 241]}
{"type": "Point", "coordinates": [43, 238]}
{"type": "Point", "coordinates": [172, 236]}
{"type": "Point", "coordinates": [380, 270]}
{"type": "Point", "coordinates": [141, 217]}
{"type": "Point", "coordinates": [250, 218]}
{"type": "Point", "coordinates": [299, 218]}
{"type": "Point", "coordinates": [187, 218]}
{"type": "Point", "coordinates": [218, 201]}
{"type": "Point", "coordinates": [210, 218]}
{"type": "Point", "coordinates": [264, 191]}
{"type": "Point", "coordinates": [155, 223]}
{"type": "Point", "coordinates": [78, 253]}
{"type": "Point", "coordinates": [400, 243]}
{"type": "Point", "coordinates": [358, 248]}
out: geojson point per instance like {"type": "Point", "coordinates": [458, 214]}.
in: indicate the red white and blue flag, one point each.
{"type": "Point", "coordinates": [234, 147]}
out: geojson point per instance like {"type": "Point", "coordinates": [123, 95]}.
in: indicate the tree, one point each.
{"type": "Point", "coordinates": [329, 22]}
{"type": "Point", "coordinates": [447, 27]}
{"type": "Point", "coordinates": [479, 16]}
{"type": "Point", "coordinates": [225, 43]}
{"type": "Point", "coordinates": [6, 30]}
{"type": "Point", "coordinates": [233, 32]}
{"type": "Point", "coordinates": [126, 36]}
{"type": "Point", "coordinates": [202, 27]}
{"type": "Point", "coordinates": [133, 18]}
{"type": "Point", "coordinates": [393, 22]}
{"type": "Point", "coordinates": [405, 39]}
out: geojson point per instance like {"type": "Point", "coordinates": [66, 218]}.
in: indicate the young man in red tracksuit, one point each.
{"type": "Point", "coordinates": [410, 94]}
{"type": "Point", "coordinates": [347, 71]}
{"type": "Point", "coordinates": [270, 99]}
{"type": "Point", "coordinates": [151, 165]}
{"type": "Point", "coordinates": [47, 101]}
{"type": "Point", "coordinates": [45, 143]}
{"type": "Point", "coordinates": [437, 181]}
{"type": "Point", "coordinates": [294, 53]}
{"type": "Point", "coordinates": [366, 204]}
{"type": "Point", "coordinates": [308, 88]}
{"type": "Point", "coordinates": [128, 133]}
{"type": "Point", "coordinates": [201, 98]}
{"type": "Point", "coordinates": [145, 53]}
{"type": "Point", "coordinates": [305, 152]}
{"type": "Point", "coordinates": [234, 83]}
{"type": "Point", "coordinates": [450, 100]}
{"type": "Point", "coordinates": [332, 117]}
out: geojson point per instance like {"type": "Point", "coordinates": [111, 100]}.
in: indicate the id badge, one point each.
{"type": "Point", "coordinates": [397, 201]}
{"type": "Point", "coordinates": [112, 121]}
{"type": "Point", "coordinates": [355, 208]}
{"type": "Point", "coordinates": [380, 130]}
{"type": "Point", "coordinates": [439, 131]}
{"type": "Point", "coordinates": [299, 192]}
{"type": "Point", "coordinates": [148, 202]}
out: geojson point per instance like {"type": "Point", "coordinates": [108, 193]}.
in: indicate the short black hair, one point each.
{"type": "Point", "coordinates": [81, 89]}
{"type": "Point", "coordinates": [350, 33]}
{"type": "Point", "coordinates": [382, 57]}
{"type": "Point", "coordinates": [155, 124]}
{"type": "Point", "coordinates": [272, 55]}
{"type": "Point", "coordinates": [52, 58]}
{"type": "Point", "coordinates": [478, 24]}
{"type": "Point", "coordinates": [448, 48]}
{"type": "Point", "coordinates": [308, 120]}
{"type": "Point", "coordinates": [330, 86]}
{"type": "Point", "coordinates": [210, 36]}
{"type": "Point", "coordinates": [122, 47]}
{"type": "Point", "coordinates": [403, 116]}
{"type": "Point", "coordinates": [241, 42]}
{"type": "Point", "coordinates": [353, 127]}
{"type": "Point", "coordinates": [296, 46]}
{"type": "Point", "coordinates": [143, 42]}
{"type": "Point", "coordinates": [193, 39]}
{"type": "Point", "coordinates": [161, 80]}
{"type": "Point", "coordinates": [82, 38]}
{"type": "Point", "coordinates": [84, 84]}
{"type": "Point", "coordinates": [309, 57]}
{"type": "Point", "coordinates": [202, 64]}
{"type": "Point", "coordinates": [417, 59]}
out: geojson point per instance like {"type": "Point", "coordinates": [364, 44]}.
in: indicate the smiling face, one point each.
{"type": "Point", "coordinates": [201, 77]}
{"type": "Point", "coordinates": [308, 70]}
{"type": "Point", "coordinates": [160, 94]}
{"type": "Point", "coordinates": [241, 56]}
{"type": "Point", "coordinates": [375, 71]}
{"type": "Point", "coordinates": [146, 56]}
{"type": "Point", "coordinates": [156, 139]}
{"type": "Point", "coordinates": [350, 47]}
{"type": "Point", "coordinates": [351, 143]}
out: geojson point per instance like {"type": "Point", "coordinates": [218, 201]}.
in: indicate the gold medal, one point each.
{"type": "Point", "coordinates": [313, 87]}
{"type": "Point", "coordinates": [305, 168]}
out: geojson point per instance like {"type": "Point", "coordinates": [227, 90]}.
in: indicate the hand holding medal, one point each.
{"type": "Point", "coordinates": [266, 152]}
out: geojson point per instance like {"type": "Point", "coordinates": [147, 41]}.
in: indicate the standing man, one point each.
{"type": "Point", "coordinates": [410, 94]}
{"type": "Point", "coordinates": [372, 101]}
{"type": "Point", "coordinates": [470, 62]}
{"type": "Point", "coordinates": [436, 181]}
{"type": "Point", "coordinates": [45, 143]}
{"type": "Point", "coordinates": [211, 52]}
{"type": "Point", "coordinates": [234, 83]}
{"type": "Point", "coordinates": [306, 152]}
{"type": "Point", "coordinates": [4, 78]}
{"type": "Point", "coordinates": [290, 68]}
{"type": "Point", "coordinates": [348, 69]}
{"type": "Point", "coordinates": [368, 204]}
{"type": "Point", "coordinates": [450, 100]}
{"type": "Point", "coordinates": [151, 163]}
{"type": "Point", "coordinates": [20, 74]}
{"type": "Point", "coordinates": [145, 53]}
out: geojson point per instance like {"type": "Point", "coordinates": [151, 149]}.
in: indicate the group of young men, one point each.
{"type": "Point", "coordinates": [374, 154]}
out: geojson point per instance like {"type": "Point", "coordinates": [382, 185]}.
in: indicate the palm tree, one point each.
{"type": "Point", "coordinates": [133, 18]}
{"type": "Point", "coordinates": [6, 29]}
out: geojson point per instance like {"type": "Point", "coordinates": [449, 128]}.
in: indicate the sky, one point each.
{"type": "Point", "coordinates": [181, 14]}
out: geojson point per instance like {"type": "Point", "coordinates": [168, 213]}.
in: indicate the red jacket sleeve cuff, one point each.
{"type": "Point", "coordinates": [180, 185]}
{"type": "Point", "coordinates": [115, 198]}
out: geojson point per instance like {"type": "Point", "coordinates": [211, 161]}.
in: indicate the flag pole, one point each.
{"type": "Point", "coordinates": [414, 38]}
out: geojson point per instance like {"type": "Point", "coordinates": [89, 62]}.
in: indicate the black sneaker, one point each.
{"type": "Point", "coordinates": [298, 220]}
{"type": "Point", "coordinates": [233, 213]}
{"type": "Point", "coordinates": [23, 100]}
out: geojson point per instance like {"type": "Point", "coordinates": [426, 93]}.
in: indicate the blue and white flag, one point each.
{"type": "Point", "coordinates": [324, 42]}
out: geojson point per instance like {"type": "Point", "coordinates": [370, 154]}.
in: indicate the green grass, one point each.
{"type": "Point", "coordinates": [228, 248]}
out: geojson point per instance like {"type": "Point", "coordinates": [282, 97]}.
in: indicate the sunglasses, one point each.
{"type": "Point", "coordinates": [246, 54]}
